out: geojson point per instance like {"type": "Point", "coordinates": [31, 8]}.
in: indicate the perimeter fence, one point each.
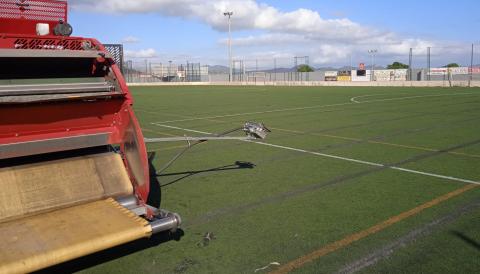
{"type": "Point", "coordinates": [459, 63]}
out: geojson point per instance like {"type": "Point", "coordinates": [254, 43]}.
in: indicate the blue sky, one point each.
{"type": "Point", "coordinates": [441, 19]}
{"type": "Point", "coordinates": [331, 32]}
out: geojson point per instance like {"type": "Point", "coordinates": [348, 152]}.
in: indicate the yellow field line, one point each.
{"type": "Point", "coordinates": [301, 261]}
{"type": "Point", "coordinates": [166, 148]}
{"type": "Point", "coordinates": [377, 142]}
{"type": "Point", "coordinates": [145, 111]}
{"type": "Point", "coordinates": [338, 137]}
{"type": "Point", "coordinates": [425, 149]}
{"type": "Point", "coordinates": [159, 132]}
{"type": "Point", "coordinates": [162, 113]}
{"type": "Point", "coordinates": [465, 154]}
{"type": "Point", "coordinates": [177, 115]}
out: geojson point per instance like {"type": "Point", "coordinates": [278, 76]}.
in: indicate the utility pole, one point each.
{"type": "Point", "coordinates": [372, 53]}
{"type": "Point", "coordinates": [351, 63]}
{"type": "Point", "coordinates": [169, 71]}
{"type": "Point", "coordinates": [307, 62]}
{"type": "Point", "coordinates": [129, 71]}
{"type": "Point", "coordinates": [145, 79]}
{"type": "Point", "coordinates": [244, 75]}
{"type": "Point", "coordinates": [229, 14]}
{"type": "Point", "coordinates": [428, 63]}
{"type": "Point", "coordinates": [410, 61]}
{"type": "Point", "coordinates": [275, 69]}
{"type": "Point", "coordinates": [296, 68]}
{"type": "Point", "coordinates": [471, 64]}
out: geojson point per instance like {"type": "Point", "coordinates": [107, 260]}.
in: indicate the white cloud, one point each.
{"type": "Point", "coordinates": [324, 51]}
{"type": "Point", "coordinates": [301, 31]}
{"type": "Point", "coordinates": [265, 40]}
{"type": "Point", "coordinates": [130, 39]}
{"type": "Point", "coordinates": [144, 53]}
{"type": "Point", "coordinates": [248, 14]}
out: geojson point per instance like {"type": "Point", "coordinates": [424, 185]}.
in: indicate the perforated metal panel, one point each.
{"type": "Point", "coordinates": [116, 50]}
{"type": "Point", "coordinates": [44, 10]}
{"type": "Point", "coordinates": [51, 44]}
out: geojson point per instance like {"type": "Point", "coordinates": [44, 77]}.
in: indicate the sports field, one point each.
{"type": "Point", "coordinates": [350, 180]}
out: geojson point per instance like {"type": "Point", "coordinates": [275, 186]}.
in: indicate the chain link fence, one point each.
{"type": "Point", "coordinates": [460, 63]}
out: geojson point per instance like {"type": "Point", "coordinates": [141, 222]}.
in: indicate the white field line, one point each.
{"type": "Point", "coordinates": [340, 158]}
{"type": "Point", "coordinates": [256, 112]}
{"type": "Point", "coordinates": [317, 106]}
{"type": "Point", "coordinates": [373, 164]}
{"type": "Point", "coordinates": [184, 129]}
{"type": "Point", "coordinates": [354, 99]}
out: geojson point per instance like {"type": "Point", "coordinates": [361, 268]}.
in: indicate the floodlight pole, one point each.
{"type": "Point", "coordinates": [428, 63]}
{"type": "Point", "coordinates": [471, 64]}
{"type": "Point", "coordinates": [275, 68]}
{"type": "Point", "coordinates": [372, 52]}
{"type": "Point", "coordinates": [351, 63]}
{"type": "Point", "coordinates": [169, 68]}
{"type": "Point", "coordinates": [410, 61]}
{"type": "Point", "coordinates": [229, 14]}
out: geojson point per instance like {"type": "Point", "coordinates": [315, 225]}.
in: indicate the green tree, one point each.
{"type": "Point", "coordinates": [452, 65]}
{"type": "Point", "coordinates": [397, 65]}
{"type": "Point", "coordinates": [304, 68]}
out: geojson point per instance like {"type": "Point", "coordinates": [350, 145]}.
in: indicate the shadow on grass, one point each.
{"type": "Point", "coordinates": [237, 165]}
{"type": "Point", "coordinates": [155, 195]}
{"type": "Point", "coordinates": [467, 239]}
{"type": "Point", "coordinates": [112, 253]}
{"type": "Point", "coordinates": [154, 199]}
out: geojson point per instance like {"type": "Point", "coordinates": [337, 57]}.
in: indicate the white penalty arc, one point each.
{"type": "Point", "coordinates": [355, 99]}
{"type": "Point", "coordinates": [351, 102]}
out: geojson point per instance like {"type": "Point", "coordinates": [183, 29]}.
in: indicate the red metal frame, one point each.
{"type": "Point", "coordinates": [22, 16]}
{"type": "Point", "coordinates": [48, 42]}
{"type": "Point", "coordinates": [43, 121]}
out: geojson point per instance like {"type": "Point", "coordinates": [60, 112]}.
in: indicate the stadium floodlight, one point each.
{"type": "Point", "coordinates": [229, 14]}
{"type": "Point", "coordinates": [372, 52]}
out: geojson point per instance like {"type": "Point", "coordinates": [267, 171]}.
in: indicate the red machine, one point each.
{"type": "Point", "coordinates": [94, 112]}
{"type": "Point", "coordinates": [64, 103]}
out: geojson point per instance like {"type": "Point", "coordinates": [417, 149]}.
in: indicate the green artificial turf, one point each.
{"type": "Point", "coordinates": [284, 204]}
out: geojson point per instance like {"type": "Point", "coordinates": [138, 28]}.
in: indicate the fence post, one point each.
{"type": "Point", "coordinates": [410, 69]}
{"type": "Point", "coordinates": [471, 67]}
{"type": "Point", "coordinates": [428, 64]}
